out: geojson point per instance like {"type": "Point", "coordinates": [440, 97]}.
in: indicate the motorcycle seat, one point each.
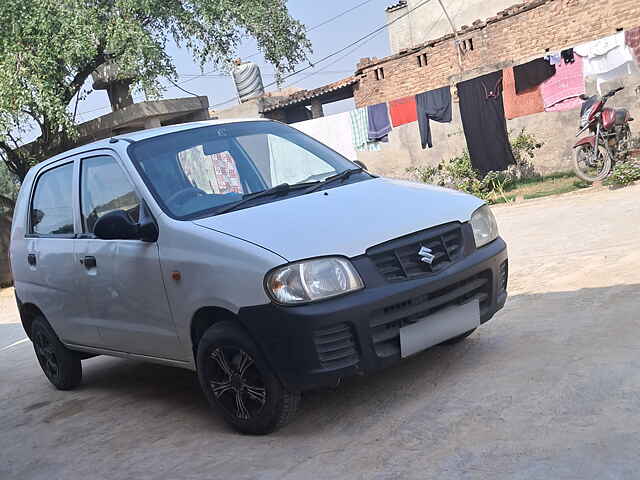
{"type": "Point", "coordinates": [622, 116]}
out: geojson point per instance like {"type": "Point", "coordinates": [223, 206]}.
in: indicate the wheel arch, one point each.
{"type": "Point", "coordinates": [28, 313]}
{"type": "Point", "coordinates": [205, 317]}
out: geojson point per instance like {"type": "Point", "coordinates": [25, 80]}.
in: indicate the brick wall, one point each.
{"type": "Point", "coordinates": [523, 33]}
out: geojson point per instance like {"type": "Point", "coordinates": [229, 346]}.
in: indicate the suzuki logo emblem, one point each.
{"type": "Point", "coordinates": [426, 255]}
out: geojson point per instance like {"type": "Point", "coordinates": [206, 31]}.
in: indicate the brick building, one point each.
{"type": "Point", "coordinates": [514, 36]}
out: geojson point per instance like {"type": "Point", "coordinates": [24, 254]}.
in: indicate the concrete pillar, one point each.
{"type": "Point", "coordinates": [119, 94]}
{"type": "Point", "coordinates": [152, 122]}
{"type": "Point", "coordinates": [316, 109]}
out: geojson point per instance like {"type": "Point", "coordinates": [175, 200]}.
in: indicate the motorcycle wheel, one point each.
{"type": "Point", "coordinates": [592, 166]}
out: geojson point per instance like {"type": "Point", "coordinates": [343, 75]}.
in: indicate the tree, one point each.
{"type": "Point", "coordinates": [49, 48]}
{"type": "Point", "coordinates": [8, 191]}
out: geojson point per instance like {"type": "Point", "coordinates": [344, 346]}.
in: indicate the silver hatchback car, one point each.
{"type": "Point", "coordinates": [250, 253]}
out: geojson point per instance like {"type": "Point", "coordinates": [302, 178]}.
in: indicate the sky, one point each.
{"type": "Point", "coordinates": [325, 40]}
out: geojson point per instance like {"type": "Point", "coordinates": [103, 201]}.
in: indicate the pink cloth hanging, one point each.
{"type": "Point", "coordinates": [560, 92]}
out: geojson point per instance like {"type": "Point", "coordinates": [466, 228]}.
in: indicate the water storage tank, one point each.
{"type": "Point", "coordinates": [248, 80]}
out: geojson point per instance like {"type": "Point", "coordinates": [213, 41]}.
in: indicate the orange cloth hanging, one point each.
{"type": "Point", "coordinates": [527, 103]}
{"type": "Point", "coordinates": [403, 110]}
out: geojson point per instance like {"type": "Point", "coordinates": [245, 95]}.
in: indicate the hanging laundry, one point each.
{"type": "Point", "coordinates": [562, 91]}
{"type": "Point", "coordinates": [484, 124]}
{"type": "Point", "coordinates": [626, 70]}
{"type": "Point", "coordinates": [604, 55]}
{"type": "Point", "coordinates": [433, 105]}
{"type": "Point", "coordinates": [334, 131]}
{"type": "Point", "coordinates": [553, 58]}
{"type": "Point", "coordinates": [519, 105]}
{"type": "Point", "coordinates": [403, 110]}
{"type": "Point", "coordinates": [632, 40]}
{"type": "Point", "coordinates": [607, 59]}
{"type": "Point", "coordinates": [379, 124]}
{"type": "Point", "coordinates": [360, 131]}
{"type": "Point", "coordinates": [532, 74]}
{"type": "Point", "coordinates": [568, 55]}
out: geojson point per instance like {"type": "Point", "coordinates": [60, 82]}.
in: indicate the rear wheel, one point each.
{"type": "Point", "coordinates": [60, 365]}
{"type": "Point", "coordinates": [239, 384]}
{"type": "Point", "coordinates": [592, 165]}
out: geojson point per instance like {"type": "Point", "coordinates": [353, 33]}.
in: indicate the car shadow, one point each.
{"type": "Point", "coordinates": [169, 398]}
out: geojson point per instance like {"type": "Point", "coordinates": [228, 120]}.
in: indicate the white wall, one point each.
{"type": "Point", "coordinates": [429, 22]}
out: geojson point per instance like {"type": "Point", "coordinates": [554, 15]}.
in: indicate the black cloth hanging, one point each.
{"type": "Point", "coordinates": [433, 105]}
{"type": "Point", "coordinates": [484, 123]}
{"type": "Point", "coordinates": [531, 74]}
{"type": "Point", "coordinates": [568, 55]}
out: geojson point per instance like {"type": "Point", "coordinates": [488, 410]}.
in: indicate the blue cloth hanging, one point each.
{"type": "Point", "coordinates": [379, 123]}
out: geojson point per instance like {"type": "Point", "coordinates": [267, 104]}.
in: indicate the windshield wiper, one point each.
{"type": "Point", "coordinates": [283, 188]}
{"type": "Point", "coordinates": [338, 176]}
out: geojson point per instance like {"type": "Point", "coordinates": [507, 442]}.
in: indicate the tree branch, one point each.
{"type": "Point", "coordinates": [81, 76]}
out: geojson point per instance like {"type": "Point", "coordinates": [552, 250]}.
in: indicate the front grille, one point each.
{"type": "Point", "coordinates": [399, 259]}
{"type": "Point", "coordinates": [336, 347]}
{"type": "Point", "coordinates": [385, 324]}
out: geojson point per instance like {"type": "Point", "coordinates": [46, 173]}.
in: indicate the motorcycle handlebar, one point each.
{"type": "Point", "coordinates": [613, 92]}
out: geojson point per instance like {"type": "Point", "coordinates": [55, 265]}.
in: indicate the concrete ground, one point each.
{"type": "Point", "coordinates": [550, 389]}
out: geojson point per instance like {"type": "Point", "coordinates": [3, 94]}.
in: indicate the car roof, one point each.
{"type": "Point", "coordinates": [142, 135]}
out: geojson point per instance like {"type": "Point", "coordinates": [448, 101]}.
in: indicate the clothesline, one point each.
{"type": "Point", "coordinates": [550, 84]}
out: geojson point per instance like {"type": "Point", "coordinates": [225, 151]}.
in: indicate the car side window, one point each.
{"type": "Point", "coordinates": [105, 188]}
{"type": "Point", "coordinates": [52, 205]}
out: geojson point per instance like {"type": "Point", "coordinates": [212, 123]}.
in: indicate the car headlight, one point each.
{"type": "Point", "coordinates": [485, 227]}
{"type": "Point", "coordinates": [312, 280]}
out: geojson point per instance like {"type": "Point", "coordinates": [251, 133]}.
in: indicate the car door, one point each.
{"type": "Point", "coordinates": [50, 254]}
{"type": "Point", "coordinates": [123, 280]}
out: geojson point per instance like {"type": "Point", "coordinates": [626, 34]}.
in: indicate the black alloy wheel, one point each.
{"type": "Point", "coordinates": [240, 384]}
{"type": "Point", "coordinates": [60, 365]}
{"type": "Point", "coordinates": [46, 355]}
{"type": "Point", "coordinates": [236, 382]}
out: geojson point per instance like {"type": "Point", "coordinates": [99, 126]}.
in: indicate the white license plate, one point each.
{"type": "Point", "coordinates": [438, 327]}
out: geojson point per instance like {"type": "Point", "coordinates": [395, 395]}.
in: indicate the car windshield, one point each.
{"type": "Point", "coordinates": [205, 170]}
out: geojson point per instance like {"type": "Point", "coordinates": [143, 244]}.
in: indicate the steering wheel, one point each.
{"type": "Point", "coordinates": [185, 192]}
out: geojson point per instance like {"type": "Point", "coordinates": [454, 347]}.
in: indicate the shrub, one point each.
{"type": "Point", "coordinates": [458, 172]}
{"type": "Point", "coordinates": [624, 173]}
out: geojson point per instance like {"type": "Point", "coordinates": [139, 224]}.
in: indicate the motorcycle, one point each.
{"type": "Point", "coordinates": [610, 140]}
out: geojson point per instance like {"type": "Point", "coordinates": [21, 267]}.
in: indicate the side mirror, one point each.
{"type": "Point", "coordinates": [116, 225]}
{"type": "Point", "coordinates": [148, 231]}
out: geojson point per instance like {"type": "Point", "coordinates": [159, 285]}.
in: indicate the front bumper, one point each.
{"type": "Point", "coordinates": [316, 345]}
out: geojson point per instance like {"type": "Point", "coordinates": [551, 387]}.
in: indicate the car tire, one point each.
{"type": "Point", "coordinates": [238, 382]}
{"type": "Point", "coordinates": [60, 365]}
{"type": "Point", "coordinates": [459, 338]}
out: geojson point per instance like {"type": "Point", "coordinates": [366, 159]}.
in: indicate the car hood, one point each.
{"type": "Point", "coordinates": [345, 220]}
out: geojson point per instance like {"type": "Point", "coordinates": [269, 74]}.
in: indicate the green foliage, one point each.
{"type": "Point", "coordinates": [624, 173]}
{"type": "Point", "coordinates": [49, 48]}
{"type": "Point", "coordinates": [459, 174]}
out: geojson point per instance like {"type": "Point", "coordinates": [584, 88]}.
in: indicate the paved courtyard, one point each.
{"type": "Point", "coordinates": [549, 389]}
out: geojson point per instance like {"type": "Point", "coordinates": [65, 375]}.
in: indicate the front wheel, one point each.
{"type": "Point", "coordinates": [239, 384]}
{"type": "Point", "coordinates": [592, 165]}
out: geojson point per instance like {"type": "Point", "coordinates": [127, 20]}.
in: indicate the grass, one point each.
{"type": "Point", "coordinates": [553, 184]}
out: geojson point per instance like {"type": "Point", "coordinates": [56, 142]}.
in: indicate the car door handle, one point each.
{"type": "Point", "coordinates": [89, 262]}
{"type": "Point", "coordinates": [31, 259]}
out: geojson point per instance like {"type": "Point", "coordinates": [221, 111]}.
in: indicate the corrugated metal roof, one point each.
{"type": "Point", "coordinates": [396, 6]}
{"type": "Point", "coordinates": [306, 95]}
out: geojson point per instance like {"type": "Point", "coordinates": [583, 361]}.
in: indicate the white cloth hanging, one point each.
{"type": "Point", "coordinates": [334, 131]}
{"type": "Point", "coordinates": [607, 59]}
{"type": "Point", "coordinates": [604, 55]}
